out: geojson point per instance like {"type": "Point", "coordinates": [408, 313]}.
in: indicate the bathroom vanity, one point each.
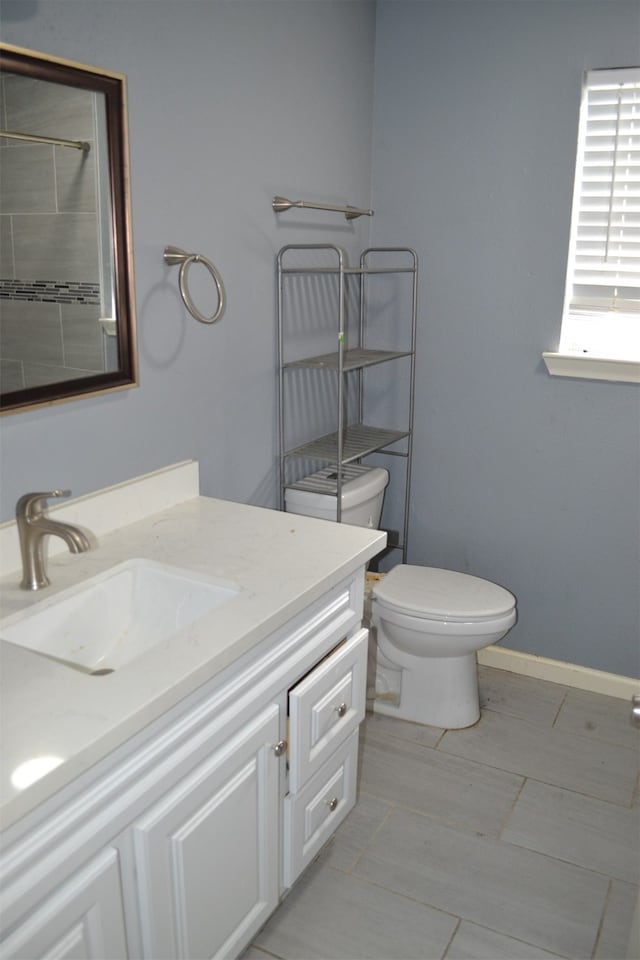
{"type": "Point", "coordinates": [195, 782]}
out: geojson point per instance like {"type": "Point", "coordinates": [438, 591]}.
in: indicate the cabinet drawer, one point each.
{"type": "Point", "coordinates": [326, 707]}
{"type": "Point", "coordinates": [311, 816]}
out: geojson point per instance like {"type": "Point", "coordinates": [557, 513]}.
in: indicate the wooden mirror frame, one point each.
{"type": "Point", "coordinates": [28, 63]}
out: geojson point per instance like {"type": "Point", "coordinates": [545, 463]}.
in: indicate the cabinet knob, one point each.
{"type": "Point", "coordinates": [341, 709]}
{"type": "Point", "coordinates": [280, 748]}
{"type": "Point", "coordinates": [332, 804]}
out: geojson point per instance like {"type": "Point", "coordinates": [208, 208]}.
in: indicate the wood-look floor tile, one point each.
{"type": "Point", "coordinates": [593, 767]}
{"type": "Point", "coordinates": [525, 895]}
{"type": "Point", "coordinates": [331, 916]}
{"type": "Point", "coordinates": [593, 833]}
{"type": "Point", "coordinates": [616, 926]}
{"type": "Point", "coordinates": [403, 729]}
{"type": "Point", "coordinates": [598, 717]}
{"type": "Point", "coordinates": [472, 942]}
{"type": "Point", "coordinates": [519, 696]}
{"type": "Point", "coordinates": [454, 790]}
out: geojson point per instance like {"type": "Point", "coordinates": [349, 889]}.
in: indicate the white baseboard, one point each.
{"type": "Point", "coordinates": [557, 671]}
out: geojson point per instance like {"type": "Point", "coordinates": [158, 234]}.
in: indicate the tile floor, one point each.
{"type": "Point", "coordinates": [518, 838]}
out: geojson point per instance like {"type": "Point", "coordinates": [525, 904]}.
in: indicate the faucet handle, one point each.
{"type": "Point", "coordinates": [32, 504]}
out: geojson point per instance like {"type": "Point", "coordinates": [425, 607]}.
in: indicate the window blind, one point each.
{"type": "Point", "coordinates": [603, 281]}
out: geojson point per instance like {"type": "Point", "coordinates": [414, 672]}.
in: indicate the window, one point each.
{"type": "Point", "coordinates": [601, 318]}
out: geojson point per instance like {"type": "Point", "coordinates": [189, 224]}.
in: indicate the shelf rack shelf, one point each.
{"type": "Point", "coordinates": [357, 442]}
{"type": "Point", "coordinates": [353, 359]}
{"type": "Point", "coordinates": [353, 440]}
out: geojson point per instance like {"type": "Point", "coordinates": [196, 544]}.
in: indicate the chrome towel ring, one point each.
{"type": "Point", "coordinates": [174, 256]}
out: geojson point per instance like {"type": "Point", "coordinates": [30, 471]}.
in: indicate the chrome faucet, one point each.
{"type": "Point", "coordinates": [33, 527]}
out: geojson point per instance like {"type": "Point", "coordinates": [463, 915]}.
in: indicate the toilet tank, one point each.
{"type": "Point", "coordinates": [362, 495]}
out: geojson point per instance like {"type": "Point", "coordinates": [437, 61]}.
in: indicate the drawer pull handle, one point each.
{"type": "Point", "coordinates": [341, 709]}
{"type": "Point", "coordinates": [332, 804]}
{"type": "Point", "coordinates": [280, 748]}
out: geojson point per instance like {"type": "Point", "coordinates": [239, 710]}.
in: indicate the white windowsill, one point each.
{"type": "Point", "coordinates": [592, 368]}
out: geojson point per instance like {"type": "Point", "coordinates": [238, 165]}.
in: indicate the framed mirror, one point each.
{"type": "Point", "coordinates": [67, 307]}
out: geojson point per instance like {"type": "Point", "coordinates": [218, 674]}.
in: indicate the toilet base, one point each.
{"type": "Point", "coordinates": [436, 691]}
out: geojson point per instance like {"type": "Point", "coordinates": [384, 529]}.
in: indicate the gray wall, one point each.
{"type": "Point", "coordinates": [529, 480]}
{"type": "Point", "coordinates": [526, 479]}
{"type": "Point", "coordinates": [229, 104]}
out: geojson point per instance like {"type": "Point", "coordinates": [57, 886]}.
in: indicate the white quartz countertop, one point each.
{"type": "Point", "coordinates": [280, 561]}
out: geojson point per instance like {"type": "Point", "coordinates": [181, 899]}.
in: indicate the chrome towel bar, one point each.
{"type": "Point", "coordinates": [174, 256]}
{"type": "Point", "coordinates": [281, 204]}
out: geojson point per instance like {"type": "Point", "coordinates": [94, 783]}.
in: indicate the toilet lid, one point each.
{"type": "Point", "coordinates": [442, 594]}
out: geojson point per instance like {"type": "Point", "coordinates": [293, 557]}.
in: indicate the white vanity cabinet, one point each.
{"type": "Point", "coordinates": [181, 842]}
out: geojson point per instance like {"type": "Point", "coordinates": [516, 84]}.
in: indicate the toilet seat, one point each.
{"type": "Point", "coordinates": [430, 593]}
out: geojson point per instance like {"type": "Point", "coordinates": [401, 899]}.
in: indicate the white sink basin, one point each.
{"type": "Point", "coordinates": [117, 616]}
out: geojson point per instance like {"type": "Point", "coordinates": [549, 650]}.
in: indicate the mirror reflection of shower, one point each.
{"type": "Point", "coordinates": [56, 273]}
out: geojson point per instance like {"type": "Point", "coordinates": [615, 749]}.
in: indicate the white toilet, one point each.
{"type": "Point", "coordinates": [429, 622]}
{"type": "Point", "coordinates": [362, 495]}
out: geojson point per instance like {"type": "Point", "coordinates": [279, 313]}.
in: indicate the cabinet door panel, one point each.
{"type": "Point", "coordinates": [83, 920]}
{"type": "Point", "coordinates": [207, 853]}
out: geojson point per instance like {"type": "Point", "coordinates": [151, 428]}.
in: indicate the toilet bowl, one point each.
{"type": "Point", "coordinates": [429, 625]}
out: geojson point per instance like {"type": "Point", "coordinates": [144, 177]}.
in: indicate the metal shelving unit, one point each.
{"type": "Point", "coordinates": [352, 439]}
